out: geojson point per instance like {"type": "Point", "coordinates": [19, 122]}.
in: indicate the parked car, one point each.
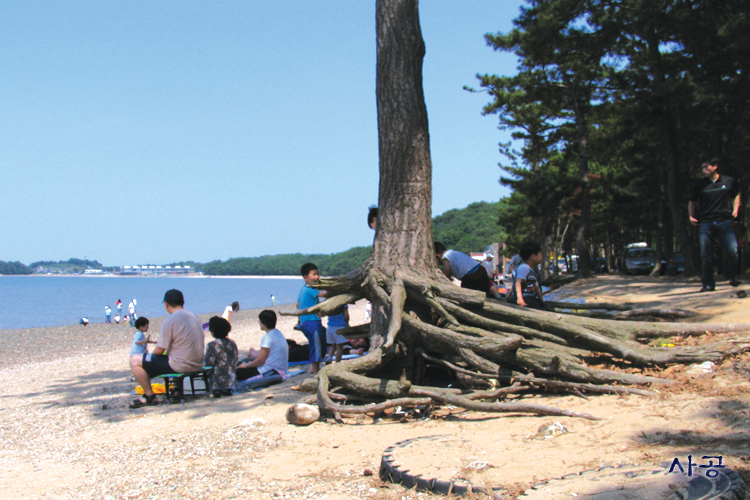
{"type": "Point", "coordinates": [639, 258]}
{"type": "Point", "coordinates": [676, 264]}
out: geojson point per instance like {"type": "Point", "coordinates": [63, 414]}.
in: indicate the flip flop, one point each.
{"type": "Point", "coordinates": [138, 403]}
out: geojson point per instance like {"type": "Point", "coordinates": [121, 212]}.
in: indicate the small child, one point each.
{"type": "Point", "coordinates": [310, 324]}
{"type": "Point", "coordinates": [273, 357]}
{"type": "Point", "coordinates": [140, 339]}
{"type": "Point", "coordinates": [336, 341]}
{"type": "Point", "coordinates": [222, 354]}
{"type": "Point", "coordinates": [525, 283]}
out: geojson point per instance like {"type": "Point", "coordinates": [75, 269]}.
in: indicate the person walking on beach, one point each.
{"type": "Point", "coordinates": [118, 305]}
{"type": "Point", "coordinates": [182, 335]}
{"type": "Point", "coordinates": [107, 314]}
{"type": "Point", "coordinates": [718, 200]}
{"type": "Point", "coordinates": [131, 311]}
{"type": "Point", "coordinates": [273, 300]}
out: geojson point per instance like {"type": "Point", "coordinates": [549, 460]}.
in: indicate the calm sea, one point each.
{"type": "Point", "coordinates": [36, 301]}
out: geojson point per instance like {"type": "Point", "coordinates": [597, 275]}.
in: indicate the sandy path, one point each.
{"type": "Point", "coordinates": [67, 432]}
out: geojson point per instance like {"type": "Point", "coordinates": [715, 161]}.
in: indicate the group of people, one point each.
{"type": "Point", "coordinates": [474, 275]}
{"type": "Point", "coordinates": [131, 317]}
{"type": "Point", "coordinates": [714, 205]}
{"type": "Point", "coordinates": [180, 348]}
{"type": "Point", "coordinates": [714, 202]}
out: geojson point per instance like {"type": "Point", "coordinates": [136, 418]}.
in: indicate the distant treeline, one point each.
{"type": "Point", "coordinates": [469, 229]}
{"type": "Point", "coordinates": [13, 268]}
{"type": "Point", "coordinates": [287, 264]}
{"type": "Point", "coordinates": [71, 264]}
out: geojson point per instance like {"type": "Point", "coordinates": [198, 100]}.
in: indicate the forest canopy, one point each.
{"type": "Point", "coordinates": [468, 229]}
{"type": "Point", "coordinates": [614, 107]}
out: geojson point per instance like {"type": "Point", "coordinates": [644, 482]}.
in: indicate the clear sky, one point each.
{"type": "Point", "coordinates": [155, 132]}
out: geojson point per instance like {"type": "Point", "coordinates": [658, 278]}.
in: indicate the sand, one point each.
{"type": "Point", "coordinates": [67, 432]}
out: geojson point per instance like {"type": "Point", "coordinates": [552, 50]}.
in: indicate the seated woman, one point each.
{"type": "Point", "coordinates": [273, 357]}
{"type": "Point", "coordinates": [222, 354]}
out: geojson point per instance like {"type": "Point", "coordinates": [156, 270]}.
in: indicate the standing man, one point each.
{"type": "Point", "coordinates": [718, 202]}
{"type": "Point", "coordinates": [107, 314]}
{"type": "Point", "coordinates": [131, 311]}
{"type": "Point", "coordinates": [181, 335]}
{"type": "Point", "coordinates": [487, 265]}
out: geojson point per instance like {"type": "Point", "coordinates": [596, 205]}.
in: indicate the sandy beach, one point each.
{"type": "Point", "coordinates": [67, 432]}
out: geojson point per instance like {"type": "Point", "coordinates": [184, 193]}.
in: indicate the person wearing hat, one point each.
{"type": "Point", "coordinates": [487, 264]}
{"type": "Point", "coordinates": [181, 334]}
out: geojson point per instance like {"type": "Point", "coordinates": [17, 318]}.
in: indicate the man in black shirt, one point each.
{"type": "Point", "coordinates": [718, 202]}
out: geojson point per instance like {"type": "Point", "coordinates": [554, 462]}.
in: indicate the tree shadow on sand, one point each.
{"type": "Point", "coordinates": [107, 394]}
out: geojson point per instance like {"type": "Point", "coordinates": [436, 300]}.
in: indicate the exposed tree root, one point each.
{"type": "Point", "coordinates": [529, 381]}
{"type": "Point", "coordinates": [403, 393]}
{"type": "Point", "coordinates": [620, 330]}
{"type": "Point", "coordinates": [487, 339]}
{"type": "Point", "coordinates": [567, 327]}
{"type": "Point", "coordinates": [589, 305]}
{"type": "Point", "coordinates": [327, 308]}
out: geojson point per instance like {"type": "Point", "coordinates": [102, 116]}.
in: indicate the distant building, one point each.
{"type": "Point", "coordinates": [148, 270]}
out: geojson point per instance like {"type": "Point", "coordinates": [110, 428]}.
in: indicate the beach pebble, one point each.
{"type": "Point", "coordinates": [302, 414]}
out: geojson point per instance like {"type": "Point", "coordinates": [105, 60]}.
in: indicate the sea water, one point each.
{"type": "Point", "coordinates": [37, 301]}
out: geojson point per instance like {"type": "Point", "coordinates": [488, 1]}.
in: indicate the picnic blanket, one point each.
{"type": "Point", "coordinates": [259, 381]}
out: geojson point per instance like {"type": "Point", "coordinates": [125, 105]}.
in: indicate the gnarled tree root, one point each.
{"type": "Point", "coordinates": [403, 393]}
{"type": "Point", "coordinates": [488, 338]}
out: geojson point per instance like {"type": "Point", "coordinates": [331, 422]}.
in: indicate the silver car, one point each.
{"type": "Point", "coordinates": [639, 260]}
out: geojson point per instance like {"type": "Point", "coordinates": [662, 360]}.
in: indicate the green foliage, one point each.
{"type": "Point", "coordinates": [288, 264]}
{"type": "Point", "coordinates": [614, 107]}
{"type": "Point", "coordinates": [70, 266]}
{"type": "Point", "coordinates": [7, 268]}
{"type": "Point", "coordinates": [68, 263]}
{"type": "Point", "coordinates": [469, 229]}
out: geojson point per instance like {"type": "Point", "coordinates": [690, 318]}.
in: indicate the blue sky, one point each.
{"type": "Point", "coordinates": [155, 132]}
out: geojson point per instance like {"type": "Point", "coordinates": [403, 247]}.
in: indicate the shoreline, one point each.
{"type": "Point", "coordinates": [264, 277]}
{"type": "Point", "coordinates": [6, 331]}
{"type": "Point", "coordinates": [22, 346]}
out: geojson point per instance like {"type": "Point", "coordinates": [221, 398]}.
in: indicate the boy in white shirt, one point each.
{"type": "Point", "coordinates": [273, 357]}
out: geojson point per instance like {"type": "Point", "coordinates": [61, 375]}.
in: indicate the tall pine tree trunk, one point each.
{"type": "Point", "coordinates": [677, 208]}
{"type": "Point", "coordinates": [404, 233]}
{"type": "Point", "coordinates": [582, 243]}
{"type": "Point", "coordinates": [404, 236]}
